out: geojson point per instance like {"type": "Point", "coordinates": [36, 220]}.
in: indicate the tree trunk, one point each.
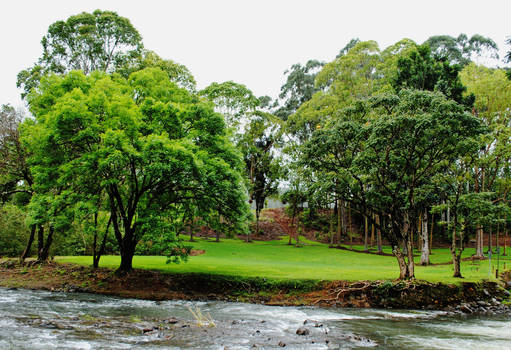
{"type": "Point", "coordinates": [403, 267]}
{"type": "Point", "coordinates": [338, 221]}
{"type": "Point", "coordinates": [431, 233]}
{"type": "Point", "coordinates": [97, 255]}
{"type": "Point", "coordinates": [411, 263]}
{"type": "Point", "coordinates": [372, 232]}
{"type": "Point", "coordinates": [331, 230]}
{"type": "Point", "coordinates": [378, 237]}
{"type": "Point", "coordinates": [29, 244]}
{"type": "Point", "coordinates": [479, 243]}
{"type": "Point", "coordinates": [366, 248]}
{"type": "Point", "coordinates": [350, 230]}
{"type": "Point", "coordinates": [456, 261]}
{"type": "Point", "coordinates": [127, 250]}
{"type": "Point", "coordinates": [490, 248]}
{"type": "Point", "coordinates": [425, 243]}
{"type": "Point", "coordinates": [46, 249]}
{"type": "Point", "coordinates": [40, 242]}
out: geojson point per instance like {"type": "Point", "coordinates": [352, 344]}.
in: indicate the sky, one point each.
{"type": "Point", "coordinates": [250, 42]}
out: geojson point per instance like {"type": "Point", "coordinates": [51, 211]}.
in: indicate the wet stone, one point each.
{"type": "Point", "coordinates": [302, 331]}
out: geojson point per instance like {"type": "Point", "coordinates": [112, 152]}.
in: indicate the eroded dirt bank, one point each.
{"type": "Point", "coordinates": [488, 297]}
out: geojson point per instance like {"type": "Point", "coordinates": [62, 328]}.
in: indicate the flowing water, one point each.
{"type": "Point", "coordinates": [49, 320]}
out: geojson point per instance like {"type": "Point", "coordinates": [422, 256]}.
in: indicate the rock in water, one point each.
{"type": "Point", "coordinates": [302, 331]}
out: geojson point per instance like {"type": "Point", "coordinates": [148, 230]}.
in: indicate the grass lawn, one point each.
{"type": "Point", "coordinates": [275, 259]}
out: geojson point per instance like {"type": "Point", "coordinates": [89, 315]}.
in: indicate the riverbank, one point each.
{"type": "Point", "coordinates": [468, 297]}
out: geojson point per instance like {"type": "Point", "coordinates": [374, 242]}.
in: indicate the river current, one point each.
{"type": "Point", "coordinates": [49, 320]}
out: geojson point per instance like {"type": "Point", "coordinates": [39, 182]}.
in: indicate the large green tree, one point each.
{"type": "Point", "coordinates": [148, 143]}
{"type": "Point", "coordinates": [101, 40]}
{"type": "Point", "coordinates": [384, 153]}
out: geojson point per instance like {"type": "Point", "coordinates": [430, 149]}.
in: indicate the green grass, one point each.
{"type": "Point", "coordinates": [275, 259]}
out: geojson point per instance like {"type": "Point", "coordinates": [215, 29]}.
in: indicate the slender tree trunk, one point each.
{"type": "Point", "coordinates": [419, 234]}
{"type": "Point", "coordinates": [490, 243]}
{"type": "Point", "coordinates": [40, 242]}
{"type": "Point", "coordinates": [46, 249]}
{"type": "Point", "coordinates": [331, 230]}
{"type": "Point", "coordinates": [456, 259]}
{"type": "Point", "coordinates": [25, 253]}
{"type": "Point", "coordinates": [425, 242]}
{"type": "Point", "coordinates": [372, 232]}
{"type": "Point", "coordinates": [97, 255]}
{"type": "Point", "coordinates": [378, 237]}
{"type": "Point", "coordinates": [431, 234]}
{"type": "Point", "coordinates": [338, 221]}
{"type": "Point", "coordinates": [411, 263]}
{"type": "Point", "coordinates": [366, 248]}
{"type": "Point", "coordinates": [350, 229]}
{"type": "Point", "coordinates": [479, 243]}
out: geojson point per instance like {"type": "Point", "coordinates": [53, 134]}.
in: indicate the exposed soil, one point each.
{"type": "Point", "coordinates": [144, 284]}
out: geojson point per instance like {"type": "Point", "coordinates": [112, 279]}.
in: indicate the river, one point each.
{"type": "Point", "coordinates": [50, 320]}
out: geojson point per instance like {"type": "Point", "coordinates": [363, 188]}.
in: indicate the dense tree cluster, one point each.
{"type": "Point", "coordinates": [123, 154]}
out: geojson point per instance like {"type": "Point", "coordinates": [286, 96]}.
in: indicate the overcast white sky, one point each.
{"type": "Point", "coordinates": [250, 42]}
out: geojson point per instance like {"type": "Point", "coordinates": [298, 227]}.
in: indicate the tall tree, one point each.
{"type": "Point", "coordinates": [147, 142]}
{"type": "Point", "coordinates": [384, 154]}
{"type": "Point", "coordinates": [15, 174]}
{"type": "Point", "coordinates": [101, 40]}
{"type": "Point", "coordinates": [419, 69]}
{"type": "Point", "coordinates": [462, 50]}
{"type": "Point", "coordinates": [298, 88]}
{"type": "Point", "coordinates": [492, 104]}
{"type": "Point", "coordinates": [258, 145]}
{"type": "Point", "coordinates": [234, 101]}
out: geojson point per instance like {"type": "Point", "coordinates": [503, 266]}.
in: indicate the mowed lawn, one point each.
{"type": "Point", "coordinates": [276, 259]}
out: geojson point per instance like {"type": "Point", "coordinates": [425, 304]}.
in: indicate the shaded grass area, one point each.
{"type": "Point", "coordinates": [313, 261]}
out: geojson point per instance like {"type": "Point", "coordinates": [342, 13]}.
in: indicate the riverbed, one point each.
{"type": "Point", "coordinates": [33, 319]}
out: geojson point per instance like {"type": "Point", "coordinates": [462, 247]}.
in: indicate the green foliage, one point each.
{"type": "Point", "coordinates": [232, 100]}
{"type": "Point", "coordinates": [419, 69]}
{"type": "Point", "coordinates": [462, 50]}
{"type": "Point", "coordinates": [101, 40]}
{"type": "Point", "coordinates": [143, 141]}
{"type": "Point", "coordinates": [13, 231]}
{"type": "Point", "coordinates": [176, 72]}
{"type": "Point", "coordinates": [298, 88]}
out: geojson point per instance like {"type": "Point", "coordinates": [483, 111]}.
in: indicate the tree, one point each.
{"type": "Point", "coordinates": [492, 104]}
{"type": "Point", "coordinates": [298, 88]}
{"type": "Point", "coordinates": [101, 40]}
{"type": "Point", "coordinates": [462, 50]}
{"type": "Point", "coordinates": [176, 72]}
{"type": "Point", "coordinates": [351, 44]}
{"type": "Point", "coordinates": [384, 153]}
{"type": "Point", "coordinates": [340, 82]}
{"type": "Point", "coordinates": [149, 143]}
{"type": "Point", "coordinates": [15, 174]}
{"type": "Point", "coordinates": [258, 145]}
{"type": "Point", "coordinates": [234, 101]}
{"type": "Point", "coordinates": [419, 69]}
